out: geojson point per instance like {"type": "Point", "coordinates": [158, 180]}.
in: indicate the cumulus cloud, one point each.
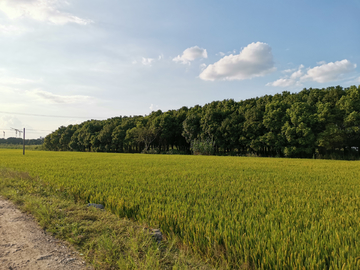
{"type": "Point", "coordinates": [290, 80]}
{"type": "Point", "coordinates": [190, 54]}
{"type": "Point", "coordinates": [326, 72]}
{"type": "Point", "coordinates": [297, 74]}
{"type": "Point", "coordinates": [40, 10]}
{"type": "Point", "coordinates": [285, 82]}
{"type": "Point", "coordinates": [330, 71]}
{"type": "Point", "coordinates": [254, 60]}
{"type": "Point", "coordinates": [59, 99]}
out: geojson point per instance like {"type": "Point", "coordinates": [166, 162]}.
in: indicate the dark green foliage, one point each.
{"type": "Point", "coordinates": [203, 147]}
{"type": "Point", "coordinates": [13, 140]}
{"type": "Point", "coordinates": [314, 123]}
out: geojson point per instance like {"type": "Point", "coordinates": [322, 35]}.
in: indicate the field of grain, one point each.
{"type": "Point", "coordinates": [267, 212]}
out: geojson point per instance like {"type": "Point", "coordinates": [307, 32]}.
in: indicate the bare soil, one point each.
{"type": "Point", "coordinates": [24, 245]}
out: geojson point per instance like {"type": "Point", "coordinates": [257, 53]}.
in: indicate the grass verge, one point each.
{"type": "Point", "coordinates": [105, 240]}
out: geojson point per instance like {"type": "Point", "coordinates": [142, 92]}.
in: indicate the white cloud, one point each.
{"type": "Point", "coordinates": [321, 74]}
{"type": "Point", "coordinates": [321, 63]}
{"type": "Point", "coordinates": [297, 74]}
{"type": "Point", "coordinates": [53, 98]}
{"type": "Point", "coordinates": [40, 10]}
{"type": "Point", "coordinates": [147, 61]}
{"type": "Point", "coordinates": [284, 82]}
{"type": "Point", "coordinates": [254, 60]}
{"type": "Point", "coordinates": [288, 70]}
{"type": "Point", "coordinates": [190, 54]}
{"type": "Point", "coordinates": [291, 80]}
{"type": "Point", "coordinates": [330, 71]}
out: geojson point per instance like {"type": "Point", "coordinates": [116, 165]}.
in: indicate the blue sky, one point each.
{"type": "Point", "coordinates": [83, 59]}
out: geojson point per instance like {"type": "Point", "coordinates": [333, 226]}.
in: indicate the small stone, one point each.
{"type": "Point", "coordinates": [156, 234]}
{"type": "Point", "coordinates": [100, 206]}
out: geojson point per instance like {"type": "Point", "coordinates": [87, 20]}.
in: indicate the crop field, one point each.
{"type": "Point", "coordinates": [263, 212]}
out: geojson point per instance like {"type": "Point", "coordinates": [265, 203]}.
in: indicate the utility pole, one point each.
{"type": "Point", "coordinates": [24, 142]}
{"type": "Point", "coordinates": [16, 132]}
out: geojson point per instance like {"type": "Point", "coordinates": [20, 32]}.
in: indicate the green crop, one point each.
{"type": "Point", "coordinates": [263, 212]}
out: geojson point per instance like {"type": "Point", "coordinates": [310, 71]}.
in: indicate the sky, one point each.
{"type": "Point", "coordinates": [67, 61]}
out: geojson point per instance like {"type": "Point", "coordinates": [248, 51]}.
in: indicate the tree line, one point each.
{"type": "Point", "coordinates": [319, 123]}
{"type": "Point", "coordinates": [14, 140]}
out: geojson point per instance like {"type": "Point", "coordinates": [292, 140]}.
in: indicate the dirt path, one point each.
{"type": "Point", "coordinates": [24, 245]}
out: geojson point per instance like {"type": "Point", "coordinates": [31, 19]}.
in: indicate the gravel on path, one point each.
{"type": "Point", "coordinates": [24, 245]}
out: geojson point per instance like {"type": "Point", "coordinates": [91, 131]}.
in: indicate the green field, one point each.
{"type": "Point", "coordinates": [267, 212]}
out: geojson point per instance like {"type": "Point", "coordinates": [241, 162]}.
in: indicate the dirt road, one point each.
{"type": "Point", "coordinates": [24, 245]}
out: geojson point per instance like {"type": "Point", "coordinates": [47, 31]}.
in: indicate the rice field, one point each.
{"type": "Point", "coordinates": [267, 213]}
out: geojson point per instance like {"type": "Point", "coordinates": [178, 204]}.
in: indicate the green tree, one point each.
{"type": "Point", "coordinates": [203, 146]}
{"type": "Point", "coordinates": [191, 125]}
{"type": "Point", "coordinates": [301, 140]}
{"type": "Point", "coordinates": [145, 135]}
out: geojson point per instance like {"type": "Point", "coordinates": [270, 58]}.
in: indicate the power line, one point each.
{"type": "Point", "coordinates": [38, 129]}
{"type": "Point", "coordinates": [55, 116]}
{"type": "Point", "coordinates": [33, 130]}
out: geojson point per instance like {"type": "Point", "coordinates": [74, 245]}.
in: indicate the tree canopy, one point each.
{"type": "Point", "coordinates": [312, 123]}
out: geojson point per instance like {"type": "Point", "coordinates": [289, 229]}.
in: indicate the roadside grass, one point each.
{"type": "Point", "coordinates": [105, 240]}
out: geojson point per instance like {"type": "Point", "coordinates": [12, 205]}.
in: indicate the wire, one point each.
{"type": "Point", "coordinates": [37, 129]}
{"type": "Point", "coordinates": [56, 116]}
{"type": "Point", "coordinates": [27, 130]}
